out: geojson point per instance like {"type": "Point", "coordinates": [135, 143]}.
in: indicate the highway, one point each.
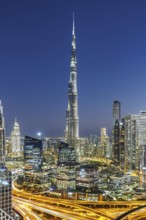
{"type": "Point", "coordinates": [64, 204]}
{"type": "Point", "coordinates": [25, 212]}
{"type": "Point", "coordinates": [33, 205]}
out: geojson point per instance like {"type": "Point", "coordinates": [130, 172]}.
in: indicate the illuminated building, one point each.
{"type": "Point", "coordinates": [15, 139]}
{"type": "Point", "coordinates": [135, 144]}
{"type": "Point", "coordinates": [5, 189]}
{"type": "Point", "coordinates": [2, 134]}
{"type": "Point", "coordinates": [66, 167]}
{"type": "Point", "coordinates": [87, 176]}
{"type": "Point", "coordinates": [116, 144]}
{"type": "Point", "coordinates": [141, 149]}
{"type": "Point", "coordinates": [116, 111]}
{"type": "Point", "coordinates": [104, 145]}
{"type": "Point", "coordinates": [91, 148]}
{"type": "Point", "coordinates": [35, 179]}
{"type": "Point", "coordinates": [5, 174]}
{"type": "Point", "coordinates": [131, 156]}
{"type": "Point", "coordinates": [72, 120]}
{"type": "Point", "coordinates": [122, 144]}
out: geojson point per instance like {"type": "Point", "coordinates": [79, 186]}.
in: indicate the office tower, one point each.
{"type": "Point", "coordinates": [122, 143]}
{"type": "Point", "coordinates": [72, 120]}
{"type": "Point", "coordinates": [15, 140]}
{"type": "Point", "coordinates": [34, 177]}
{"type": "Point", "coordinates": [141, 148]}
{"type": "Point", "coordinates": [116, 144]}
{"type": "Point", "coordinates": [92, 146]}
{"type": "Point", "coordinates": [66, 167]}
{"type": "Point", "coordinates": [116, 111]}
{"type": "Point", "coordinates": [2, 135]}
{"type": "Point", "coordinates": [5, 174]}
{"type": "Point", "coordinates": [130, 162]}
{"type": "Point", "coordinates": [104, 145]}
{"type": "Point", "coordinates": [5, 189]}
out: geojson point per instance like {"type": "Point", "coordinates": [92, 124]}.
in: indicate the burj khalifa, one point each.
{"type": "Point", "coordinates": [72, 119]}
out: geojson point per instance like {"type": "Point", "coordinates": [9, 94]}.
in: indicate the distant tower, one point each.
{"type": "Point", "coordinates": [2, 135]}
{"type": "Point", "coordinates": [15, 139]}
{"type": "Point", "coordinates": [116, 142]}
{"type": "Point", "coordinates": [72, 120]}
{"type": "Point", "coordinates": [104, 145]}
{"type": "Point", "coordinates": [116, 111]}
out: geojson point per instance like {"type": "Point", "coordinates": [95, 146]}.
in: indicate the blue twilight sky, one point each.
{"type": "Point", "coordinates": [35, 46]}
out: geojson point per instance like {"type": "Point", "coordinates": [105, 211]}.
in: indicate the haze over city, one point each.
{"type": "Point", "coordinates": [35, 46]}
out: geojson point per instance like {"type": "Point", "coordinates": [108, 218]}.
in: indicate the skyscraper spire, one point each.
{"type": "Point", "coordinates": [73, 26]}
{"type": "Point", "coordinates": [72, 120]}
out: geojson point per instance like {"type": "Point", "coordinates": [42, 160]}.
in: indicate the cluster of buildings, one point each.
{"type": "Point", "coordinates": [48, 159]}
{"type": "Point", "coordinates": [129, 142]}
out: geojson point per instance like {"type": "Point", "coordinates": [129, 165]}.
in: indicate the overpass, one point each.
{"type": "Point", "coordinates": [129, 212]}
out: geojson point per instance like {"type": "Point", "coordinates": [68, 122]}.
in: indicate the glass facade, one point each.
{"type": "Point", "coordinates": [5, 189]}
{"type": "Point", "coordinates": [66, 167]}
{"type": "Point", "coordinates": [87, 176]}
{"type": "Point", "coordinates": [35, 179]}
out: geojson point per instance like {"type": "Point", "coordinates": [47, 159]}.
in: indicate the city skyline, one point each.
{"type": "Point", "coordinates": [35, 49]}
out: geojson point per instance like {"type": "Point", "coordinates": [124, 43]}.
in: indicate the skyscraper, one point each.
{"type": "Point", "coordinates": [104, 145]}
{"type": "Point", "coordinates": [2, 134]}
{"type": "Point", "coordinates": [116, 143]}
{"type": "Point", "coordinates": [66, 167]}
{"type": "Point", "coordinates": [131, 142]}
{"type": "Point", "coordinates": [72, 120]}
{"type": "Point", "coordinates": [5, 174]}
{"type": "Point", "coordinates": [116, 111]}
{"type": "Point", "coordinates": [15, 139]}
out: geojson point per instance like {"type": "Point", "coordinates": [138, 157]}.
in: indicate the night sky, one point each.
{"type": "Point", "coordinates": [35, 46]}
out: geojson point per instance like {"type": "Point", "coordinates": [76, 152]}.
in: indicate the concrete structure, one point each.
{"type": "Point", "coordinates": [72, 119]}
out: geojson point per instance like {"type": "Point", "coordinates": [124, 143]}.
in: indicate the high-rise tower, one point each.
{"type": "Point", "coordinates": [15, 139]}
{"type": "Point", "coordinates": [5, 174]}
{"type": "Point", "coordinates": [2, 135]}
{"type": "Point", "coordinates": [116, 111]}
{"type": "Point", "coordinates": [72, 120]}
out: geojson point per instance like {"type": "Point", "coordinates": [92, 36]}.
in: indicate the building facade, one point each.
{"type": "Point", "coordinates": [104, 144]}
{"type": "Point", "coordinates": [15, 140]}
{"type": "Point", "coordinates": [66, 167]}
{"type": "Point", "coordinates": [35, 179]}
{"type": "Point", "coordinates": [5, 174]}
{"type": "Point", "coordinates": [5, 189]}
{"type": "Point", "coordinates": [116, 111]}
{"type": "Point", "coordinates": [2, 134]}
{"type": "Point", "coordinates": [87, 177]}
